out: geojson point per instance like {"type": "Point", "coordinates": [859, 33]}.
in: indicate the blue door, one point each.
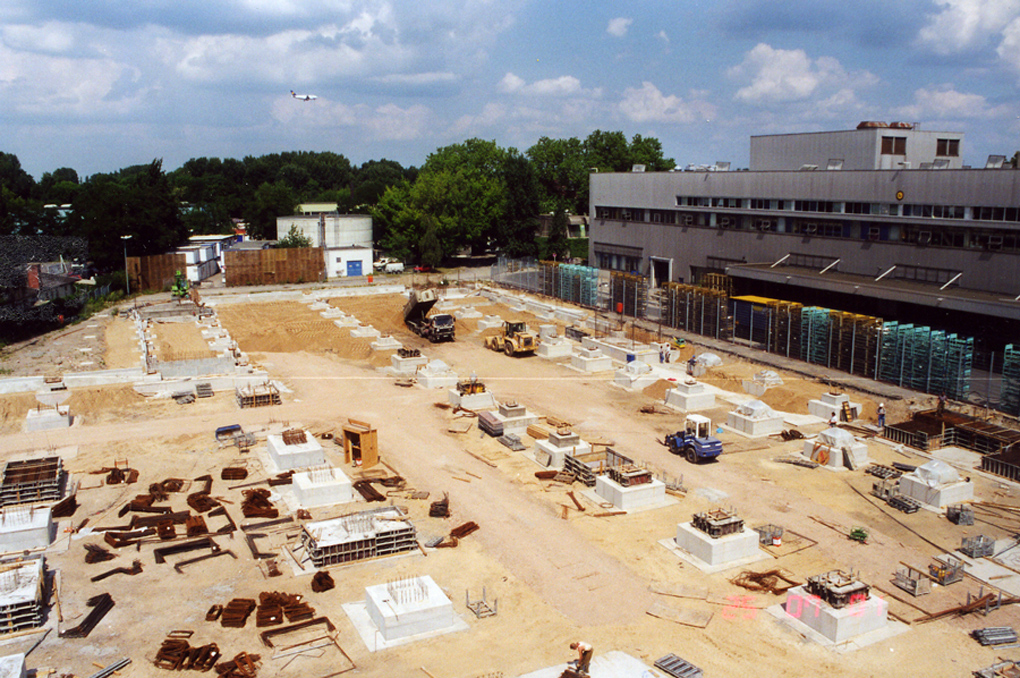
{"type": "Point", "coordinates": [353, 268]}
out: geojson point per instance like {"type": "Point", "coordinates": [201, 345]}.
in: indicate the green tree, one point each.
{"type": "Point", "coordinates": [270, 201]}
{"type": "Point", "coordinates": [558, 244]}
{"type": "Point", "coordinates": [294, 238]}
{"type": "Point", "coordinates": [515, 233]}
{"type": "Point", "coordinates": [431, 248]}
{"type": "Point", "coordinates": [562, 174]}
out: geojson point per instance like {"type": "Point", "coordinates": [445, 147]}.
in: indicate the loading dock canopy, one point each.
{"type": "Point", "coordinates": [906, 291]}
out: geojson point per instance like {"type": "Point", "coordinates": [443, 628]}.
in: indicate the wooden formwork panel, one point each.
{"type": "Point", "coordinates": [265, 267]}
{"type": "Point", "coordinates": [155, 272]}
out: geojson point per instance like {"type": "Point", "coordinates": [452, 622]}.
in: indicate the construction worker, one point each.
{"type": "Point", "coordinates": [833, 420]}
{"type": "Point", "coordinates": [584, 652]}
{"type": "Point", "coordinates": [941, 409]}
{"type": "Point", "coordinates": [881, 415]}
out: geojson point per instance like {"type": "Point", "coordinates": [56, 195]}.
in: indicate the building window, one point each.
{"type": "Point", "coordinates": [948, 147]}
{"type": "Point", "coordinates": [813, 206]}
{"type": "Point", "coordinates": [894, 145]}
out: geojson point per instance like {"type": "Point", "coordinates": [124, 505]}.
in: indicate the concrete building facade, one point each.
{"type": "Point", "coordinates": [877, 241]}
{"type": "Point", "coordinates": [346, 240]}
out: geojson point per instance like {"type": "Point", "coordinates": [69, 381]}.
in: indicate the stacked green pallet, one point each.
{"type": "Point", "coordinates": [959, 362]}
{"type": "Point", "coordinates": [814, 333]}
{"type": "Point", "coordinates": [1010, 398]}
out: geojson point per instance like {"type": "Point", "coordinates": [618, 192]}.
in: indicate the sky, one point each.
{"type": "Point", "coordinates": [104, 84]}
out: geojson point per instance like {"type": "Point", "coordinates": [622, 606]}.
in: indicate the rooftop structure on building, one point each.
{"type": "Point", "coordinates": [882, 220]}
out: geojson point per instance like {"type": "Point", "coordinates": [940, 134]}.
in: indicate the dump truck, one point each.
{"type": "Point", "coordinates": [695, 441]}
{"type": "Point", "coordinates": [513, 339]}
{"type": "Point", "coordinates": [439, 327]}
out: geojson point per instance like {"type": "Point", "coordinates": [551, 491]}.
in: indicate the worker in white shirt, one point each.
{"type": "Point", "coordinates": [584, 652]}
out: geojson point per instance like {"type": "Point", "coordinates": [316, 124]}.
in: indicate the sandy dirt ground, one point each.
{"type": "Point", "coordinates": [180, 341]}
{"type": "Point", "coordinates": [557, 579]}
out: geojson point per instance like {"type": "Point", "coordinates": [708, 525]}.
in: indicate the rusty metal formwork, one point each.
{"type": "Point", "coordinates": [628, 475]}
{"type": "Point", "coordinates": [838, 588]}
{"type": "Point", "coordinates": [294, 436]}
{"type": "Point", "coordinates": [718, 522]}
{"type": "Point", "coordinates": [31, 481]}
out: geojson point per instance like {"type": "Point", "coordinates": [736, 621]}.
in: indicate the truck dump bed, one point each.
{"type": "Point", "coordinates": [419, 304]}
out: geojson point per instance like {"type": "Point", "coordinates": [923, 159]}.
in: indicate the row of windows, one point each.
{"type": "Point", "coordinates": [976, 213]}
{"type": "Point", "coordinates": [939, 236]}
{"type": "Point", "coordinates": [618, 262]}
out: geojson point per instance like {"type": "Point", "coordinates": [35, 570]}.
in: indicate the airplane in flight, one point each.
{"type": "Point", "coordinates": [303, 97]}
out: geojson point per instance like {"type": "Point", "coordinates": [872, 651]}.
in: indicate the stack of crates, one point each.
{"type": "Point", "coordinates": [547, 277]}
{"type": "Point", "coordinates": [629, 292]}
{"type": "Point", "coordinates": [718, 281]}
{"type": "Point", "coordinates": [814, 333]}
{"type": "Point", "coordinates": [926, 360]}
{"type": "Point", "coordinates": [892, 351]}
{"type": "Point", "coordinates": [1010, 398]}
{"type": "Point", "coordinates": [854, 342]}
{"type": "Point", "coordinates": [959, 362]}
{"type": "Point", "coordinates": [786, 328]}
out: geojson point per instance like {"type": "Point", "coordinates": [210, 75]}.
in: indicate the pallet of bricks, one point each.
{"type": "Point", "coordinates": [628, 292]}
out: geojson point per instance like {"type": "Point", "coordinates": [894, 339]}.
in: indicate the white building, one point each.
{"type": "Point", "coordinates": [346, 240]}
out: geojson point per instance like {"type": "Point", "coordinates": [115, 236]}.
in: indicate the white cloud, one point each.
{"type": "Point", "coordinates": [946, 103]}
{"type": "Point", "coordinates": [417, 79]}
{"type": "Point", "coordinates": [52, 37]}
{"type": "Point", "coordinates": [618, 27]}
{"type": "Point", "coordinates": [661, 35]}
{"type": "Point", "coordinates": [388, 122]}
{"type": "Point", "coordinates": [565, 85]}
{"type": "Point", "coordinates": [648, 104]}
{"type": "Point", "coordinates": [1009, 48]}
{"type": "Point", "coordinates": [966, 24]}
{"type": "Point", "coordinates": [779, 75]}
{"type": "Point", "coordinates": [55, 85]}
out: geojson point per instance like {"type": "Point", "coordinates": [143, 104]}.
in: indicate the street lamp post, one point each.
{"type": "Point", "coordinates": [127, 278]}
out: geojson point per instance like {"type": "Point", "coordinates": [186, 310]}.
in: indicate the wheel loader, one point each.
{"type": "Point", "coordinates": [513, 339]}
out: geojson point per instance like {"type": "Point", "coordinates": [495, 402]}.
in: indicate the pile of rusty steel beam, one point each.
{"type": "Point", "coordinates": [464, 530]}
{"type": "Point", "coordinates": [118, 539]}
{"type": "Point", "coordinates": [440, 508]}
{"type": "Point", "coordinates": [243, 665]}
{"type": "Point", "coordinates": [322, 581]}
{"type": "Point", "coordinates": [256, 504]}
{"type": "Point", "coordinates": [274, 606]}
{"type": "Point", "coordinates": [984, 603]}
{"type": "Point", "coordinates": [368, 493]}
{"type": "Point", "coordinates": [161, 553]}
{"type": "Point", "coordinates": [100, 605]}
{"type": "Point", "coordinates": [773, 581]}
{"type": "Point", "coordinates": [94, 553]}
{"type": "Point", "coordinates": [177, 654]}
{"type": "Point", "coordinates": [136, 568]}
{"type": "Point", "coordinates": [235, 613]}
{"type": "Point", "coordinates": [234, 473]}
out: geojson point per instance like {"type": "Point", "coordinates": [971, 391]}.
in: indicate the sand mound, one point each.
{"type": "Point", "coordinates": [13, 409]}
{"type": "Point", "coordinates": [658, 389]}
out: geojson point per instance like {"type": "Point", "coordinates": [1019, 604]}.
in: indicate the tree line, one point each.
{"type": "Point", "coordinates": [470, 196]}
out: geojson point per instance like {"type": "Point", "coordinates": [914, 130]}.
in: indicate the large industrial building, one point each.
{"type": "Point", "coordinates": [883, 220]}
{"type": "Point", "coordinates": [346, 239]}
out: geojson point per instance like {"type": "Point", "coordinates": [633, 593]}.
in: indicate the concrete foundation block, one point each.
{"type": "Point", "coordinates": [690, 396]}
{"type": "Point", "coordinates": [349, 321]}
{"type": "Point", "coordinates": [828, 403]}
{"type": "Point", "coordinates": [472, 401]}
{"type": "Point", "coordinates": [48, 420]}
{"type": "Point", "coordinates": [838, 625]}
{"type": "Point", "coordinates": [550, 455]}
{"type": "Point", "coordinates": [833, 457]}
{"type": "Point", "coordinates": [386, 343]}
{"type": "Point", "coordinates": [25, 528]}
{"type": "Point", "coordinates": [301, 455]}
{"type": "Point", "coordinates": [408, 365]}
{"type": "Point", "coordinates": [437, 379]}
{"type": "Point", "coordinates": [490, 322]}
{"type": "Point", "coordinates": [13, 666]}
{"type": "Point", "coordinates": [754, 427]}
{"type": "Point", "coordinates": [467, 314]}
{"type": "Point", "coordinates": [409, 607]}
{"type": "Point", "coordinates": [633, 497]}
{"type": "Point", "coordinates": [557, 348]}
{"type": "Point", "coordinates": [365, 332]}
{"type": "Point", "coordinates": [589, 360]}
{"type": "Point", "coordinates": [940, 495]}
{"type": "Point", "coordinates": [726, 549]}
{"type": "Point", "coordinates": [322, 487]}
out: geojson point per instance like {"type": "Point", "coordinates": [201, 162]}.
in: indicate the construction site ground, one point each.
{"type": "Point", "coordinates": [560, 574]}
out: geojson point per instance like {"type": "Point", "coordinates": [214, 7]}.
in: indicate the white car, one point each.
{"type": "Point", "coordinates": [394, 267]}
